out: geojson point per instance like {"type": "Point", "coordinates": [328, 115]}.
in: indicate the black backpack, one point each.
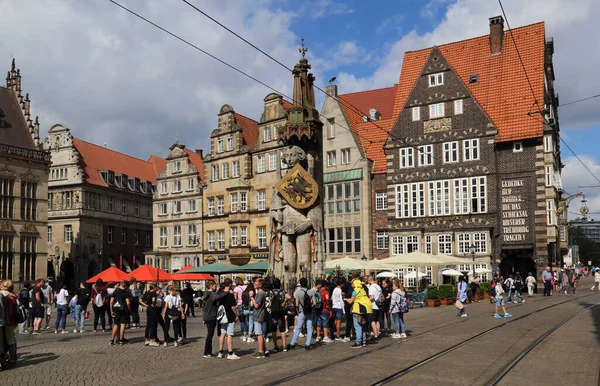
{"type": "Point", "coordinates": [24, 297]}
{"type": "Point", "coordinates": [277, 303]}
{"type": "Point", "coordinates": [307, 303]}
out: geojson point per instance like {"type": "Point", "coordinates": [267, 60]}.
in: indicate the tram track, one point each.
{"type": "Point", "coordinates": [411, 338]}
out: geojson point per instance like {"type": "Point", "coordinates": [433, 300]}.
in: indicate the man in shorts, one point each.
{"type": "Point", "coordinates": [49, 297]}
{"type": "Point", "coordinates": [374, 293]}
{"type": "Point", "coordinates": [276, 310]}
{"type": "Point", "coordinates": [120, 309]}
{"type": "Point", "coordinates": [258, 297]}
{"type": "Point", "coordinates": [37, 305]}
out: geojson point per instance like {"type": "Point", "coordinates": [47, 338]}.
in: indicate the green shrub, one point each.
{"type": "Point", "coordinates": [433, 292]}
{"type": "Point", "coordinates": [446, 291]}
{"type": "Point", "coordinates": [484, 287]}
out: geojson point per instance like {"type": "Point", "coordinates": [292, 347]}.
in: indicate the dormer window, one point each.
{"type": "Point", "coordinates": [436, 79]}
{"type": "Point", "coordinates": [176, 166]}
{"type": "Point", "coordinates": [119, 181]}
{"type": "Point", "coordinates": [144, 186]}
{"type": "Point", "coordinates": [103, 174]}
{"type": "Point", "coordinates": [131, 184]}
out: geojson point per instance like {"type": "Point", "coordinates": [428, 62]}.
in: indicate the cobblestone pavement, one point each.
{"type": "Point", "coordinates": [88, 359]}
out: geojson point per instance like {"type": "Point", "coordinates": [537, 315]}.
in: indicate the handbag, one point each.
{"type": "Point", "coordinates": [87, 315]}
{"type": "Point", "coordinates": [458, 305]}
{"type": "Point", "coordinates": [117, 306]}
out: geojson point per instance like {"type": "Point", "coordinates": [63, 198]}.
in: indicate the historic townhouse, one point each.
{"type": "Point", "coordinates": [242, 168]}
{"type": "Point", "coordinates": [178, 211]}
{"type": "Point", "coordinates": [355, 206]}
{"type": "Point", "coordinates": [23, 187]}
{"type": "Point", "coordinates": [473, 161]}
{"type": "Point", "coordinates": [99, 207]}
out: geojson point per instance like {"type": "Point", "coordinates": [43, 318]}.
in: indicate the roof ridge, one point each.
{"type": "Point", "coordinates": [473, 38]}
{"type": "Point", "coordinates": [115, 151]}
{"type": "Point", "coordinates": [375, 89]}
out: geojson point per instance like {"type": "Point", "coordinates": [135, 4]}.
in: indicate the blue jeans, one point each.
{"type": "Point", "coordinates": [61, 316]}
{"type": "Point", "coordinates": [399, 322]}
{"type": "Point", "coordinates": [361, 331]}
{"type": "Point", "coordinates": [510, 292]}
{"type": "Point", "coordinates": [248, 315]}
{"type": "Point", "coordinates": [79, 316]}
{"type": "Point", "coordinates": [244, 324]}
{"type": "Point", "coordinates": [301, 318]}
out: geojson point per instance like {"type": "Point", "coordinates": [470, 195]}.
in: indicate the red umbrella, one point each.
{"type": "Point", "coordinates": [186, 268]}
{"type": "Point", "coordinates": [148, 273]}
{"type": "Point", "coordinates": [110, 274]}
{"type": "Point", "coordinates": [191, 276]}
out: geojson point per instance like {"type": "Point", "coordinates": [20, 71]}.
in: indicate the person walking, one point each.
{"type": "Point", "coordinates": [572, 277]}
{"type": "Point", "coordinates": [99, 302]}
{"type": "Point", "coordinates": [531, 283]}
{"type": "Point", "coordinates": [25, 300]}
{"type": "Point", "coordinates": [362, 311]}
{"type": "Point", "coordinates": [461, 295]}
{"type": "Point", "coordinates": [509, 286]}
{"type": "Point", "coordinates": [398, 298]}
{"type": "Point", "coordinates": [83, 300]}
{"type": "Point", "coordinates": [62, 303]}
{"type": "Point", "coordinates": [499, 297]}
{"type": "Point", "coordinates": [173, 312]}
{"type": "Point", "coordinates": [303, 298]}
{"type": "Point", "coordinates": [596, 280]}
{"type": "Point", "coordinates": [210, 299]}
{"type": "Point", "coordinates": [547, 277]}
{"type": "Point", "coordinates": [518, 289]}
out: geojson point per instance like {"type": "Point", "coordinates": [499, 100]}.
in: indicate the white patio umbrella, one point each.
{"type": "Point", "coordinates": [414, 275]}
{"type": "Point", "coordinates": [451, 272]}
{"type": "Point", "coordinates": [385, 274]}
{"type": "Point", "coordinates": [346, 263]}
{"type": "Point", "coordinates": [483, 270]}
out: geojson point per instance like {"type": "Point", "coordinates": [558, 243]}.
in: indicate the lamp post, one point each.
{"type": "Point", "coordinates": [472, 249]}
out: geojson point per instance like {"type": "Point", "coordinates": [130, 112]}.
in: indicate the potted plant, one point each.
{"type": "Point", "coordinates": [484, 290]}
{"type": "Point", "coordinates": [446, 294]}
{"type": "Point", "coordinates": [433, 299]}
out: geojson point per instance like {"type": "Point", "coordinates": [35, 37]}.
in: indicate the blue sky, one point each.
{"type": "Point", "coordinates": [113, 79]}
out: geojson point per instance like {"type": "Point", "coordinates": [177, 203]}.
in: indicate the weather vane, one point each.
{"type": "Point", "coordinates": [303, 49]}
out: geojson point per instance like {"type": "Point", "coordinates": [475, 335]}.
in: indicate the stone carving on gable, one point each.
{"type": "Point", "coordinates": [437, 125]}
{"type": "Point", "coordinates": [29, 228]}
{"type": "Point", "coordinates": [177, 152]}
{"type": "Point", "coordinates": [29, 176]}
{"type": "Point", "coordinates": [6, 172]}
{"type": "Point", "coordinates": [473, 221]}
{"type": "Point", "coordinates": [5, 226]}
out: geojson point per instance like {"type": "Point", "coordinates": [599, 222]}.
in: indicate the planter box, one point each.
{"type": "Point", "coordinates": [433, 302]}
{"type": "Point", "coordinates": [486, 295]}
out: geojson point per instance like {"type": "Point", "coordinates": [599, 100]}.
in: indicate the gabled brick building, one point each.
{"type": "Point", "coordinates": [473, 161]}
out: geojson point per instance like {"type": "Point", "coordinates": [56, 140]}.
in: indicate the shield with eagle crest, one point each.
{"type": "Point", "coordinates": [298, 188]}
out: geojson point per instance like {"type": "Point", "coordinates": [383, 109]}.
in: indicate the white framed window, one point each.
{"type": "Point", "coordinates": [461, 196]}
{"type": "Point", "coordinates": [177, 186]}
{"type": "Point", "coordinates": [450, 152]}
{"type": "Point", "coordinates": [235, 169]}
{"type": "Point", "coordinates": [220, 146]}
{"type": "Point", "coordinates": [428, 245]}
{"type": "Point", "coordinates": [177, 235]}
{"type": "Point", "coordinates": [225, 171]}
{"type": "Point", "coordinates": [260, 163]}
{"type": "Point", "coordinates": [331, 159]}
{"type": "Point", "coordinates": [417, 199]}
{"type": "Point", "coordinates": [215, 172]}
{"type": "Point", "coordinates": [383, 240]}
{"type": "Point", "coordinates": [220, 206]}
{"type": "Point", "coordinates": [330, 128]}
{"type": "Point", "coordinates": [345, 156]}
{"type": "Point", "coordinates": [464, 242]}
{"type": "Point", "coordinates": [163, 236]}
{"type": "Point", "coordinates": [262, 237]}
{"type": "Point", "coordinates": [49, 234]}
{"type": "Point", "coordinates": [190, 184]}
{"type": "Point", "coordinates": [211, 207]}
{"type": "Point", "coordinates": [272, 161]}
{"type": "Point", "coordinates": [229, 143]}
{"type": "Point", "coordinates": [342, 197]}
{"type": "Point", "coordinates": [69, 234]}
{"type": "Point", "coordinates": [402, 201]}
{"type": "Point", "coordinates": [407, 158]}
{"type": "Point", "coordinates": [210, 237]}
{"type": "Point", "coordinates": [517, 147]}
{"type": "Point", "coordinates": [471, 149]}
{"type": "Point", "coordinates": [439, 198]}
{"type": "Point", "coordinates": [548, 144]}
{"type": "Point", "coordinates": [436, 110]}
{"type": "Point", "coordinates": [445, 244]}
{"type": "Point", "coordinates": [163, 209]}
{"type": "Point", "coordinates": [480, 242]}
{"type": "Point", "coordinates": [412, 243]}
{"type": "Point", "coordinates": [429, 274]}
{"type": "Point", "coordinates": [163, 190]}
{"type": "Point", "coordinates": [478, 194]}
{"type": "Point", "coordinates": [397, 245]}
{"type": "Point", "coordinates": [563, 233]}
{"type": "Point", "coordinates": [416, 113]}
{"type": "Point", "coordinates": [176, 207]}
{"type": "Point", "coordinates": [425, 155]}
{"type": "Point", "coordinates": [436, 79]}
{"type": "Point", "coordinates": [233, 199]}
{"type": "Point", "coordinates": [177, 167]}
{"type": "Point", "coordinates": [221, 240]}
{"type": "Point", "coordinates": [243, 236]}
{"type": "Point", "coordinates": [267, 134]}
{"type": "Point", "coordinates": [549, 175]}
{"type": "Point", "coordinates": [234, 236]}
{"type": "Point", "coordinates": [458, 106]}
{"type": "Point", "coordinates": [243, 201]}
{"type": "Point", "coordinates": [261, 199]}
{"type": "Point", "coordinates": [191, 206]}
{"type": "Point", "coordinates": [551, 216]}
{"type": "Point", "coordinates": [192, 234]}
{"type": "Point", "coordinates": [380, 200]}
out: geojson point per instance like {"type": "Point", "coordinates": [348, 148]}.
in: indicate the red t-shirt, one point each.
{"type": "Point", "coordinates": [324, 299]}
{"type": "Point", "coordinates": [11, 303]}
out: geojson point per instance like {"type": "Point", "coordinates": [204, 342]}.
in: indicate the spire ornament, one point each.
{"type": "Point", "coordinates": [303, 49]}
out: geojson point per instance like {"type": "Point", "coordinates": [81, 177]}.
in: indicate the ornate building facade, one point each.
{"type": "Point", "coordinates": [99, 207]}
{"type": "Point", "coordinates": [178, 209]}
{"type": "Point", "coordinates": [23, 187]}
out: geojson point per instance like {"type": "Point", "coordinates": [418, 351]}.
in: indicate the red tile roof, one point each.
{"type": "Point", "coordinates": [158, 163]}
{"type": "Point", "coordinates": [371, 136]}
{"type": "Point", "coordinates": [197, 161]}
{"type": "Point", "coordinates": [286, 104]}
{"type": "Point", "coordinates": [249, 129]}
{"type": "Point", "coordinates": [95, 158]}
{"type": "Point", "coordinates": [502, 89]}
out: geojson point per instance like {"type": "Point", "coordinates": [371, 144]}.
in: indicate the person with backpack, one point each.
{"type": "Point", "coordinates": [277, 299]}
{"type": "Point", "coordinates": [398, 306]}
{"type": "Point", "coordinates": [173, 312]}
{"type": "Point", "coordinates": [378, 302]}
{"type": "Point", "coordinates": [62, 305]}
{"type": "Point", "coordinates": [83, 300]}
{"type": "Point", "coordinates": [25, 299]}
{"type": "Point", "coordinates": [518, 288]}
{"type": "Point", "coordinates": [362, 311]}
{"type": "Point", "coordinates": [303, 298]}
{"type": "Point", "coordinates": [509, 286]}
{"type": "Point", "coordinates": [227, 316]}
{"type": "Point", "coordinates": [323, 311]}
{"type": "Point", "coordinates": [99, 301]}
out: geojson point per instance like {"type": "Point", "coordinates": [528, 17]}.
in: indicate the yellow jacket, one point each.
{"type": "Point", "coordinates": [361, 299]}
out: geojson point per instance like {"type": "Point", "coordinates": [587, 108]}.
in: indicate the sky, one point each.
{"type": "Point", "coordinates": [114, 79]}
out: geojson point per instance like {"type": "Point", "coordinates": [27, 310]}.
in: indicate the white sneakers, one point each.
{"type": "Point", "coordinates": [220, 355]}
{"type": "Point", "coordinates": [346, 340]}
{"type": "Point", "coordinates": [327, 340]}
{"type": "Point", "coordinates": [232, 357]}
{"type": "Point", "coordinates": [153, 344]}
{"type": "Point", "coordinates": [244, 338]}
{"type": "Point", "coordinates": [395, 336]}
{"type": "Point", "coordinates": [250, 340]}
{"type": "Point", "coordinates": [403, 335]}
{"type": "Point", "coordinates": [75, 331]}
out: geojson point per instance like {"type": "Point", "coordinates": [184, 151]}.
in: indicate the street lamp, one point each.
{"type": "Point", "coordinates": [472, 249]}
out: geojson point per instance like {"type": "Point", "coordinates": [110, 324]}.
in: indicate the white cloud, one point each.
{"type": "Point", "coordinates": [326, 8]}
{"type": "Point", "coordinates": [575, 175]}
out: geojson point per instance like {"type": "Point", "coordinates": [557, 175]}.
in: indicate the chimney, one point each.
{"type": "Point", "coordinates": [496, 34]}
{"type": "Point", "coordinates": [200, 153]}
{"type": "Point", "coordinates": [331, 90]}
